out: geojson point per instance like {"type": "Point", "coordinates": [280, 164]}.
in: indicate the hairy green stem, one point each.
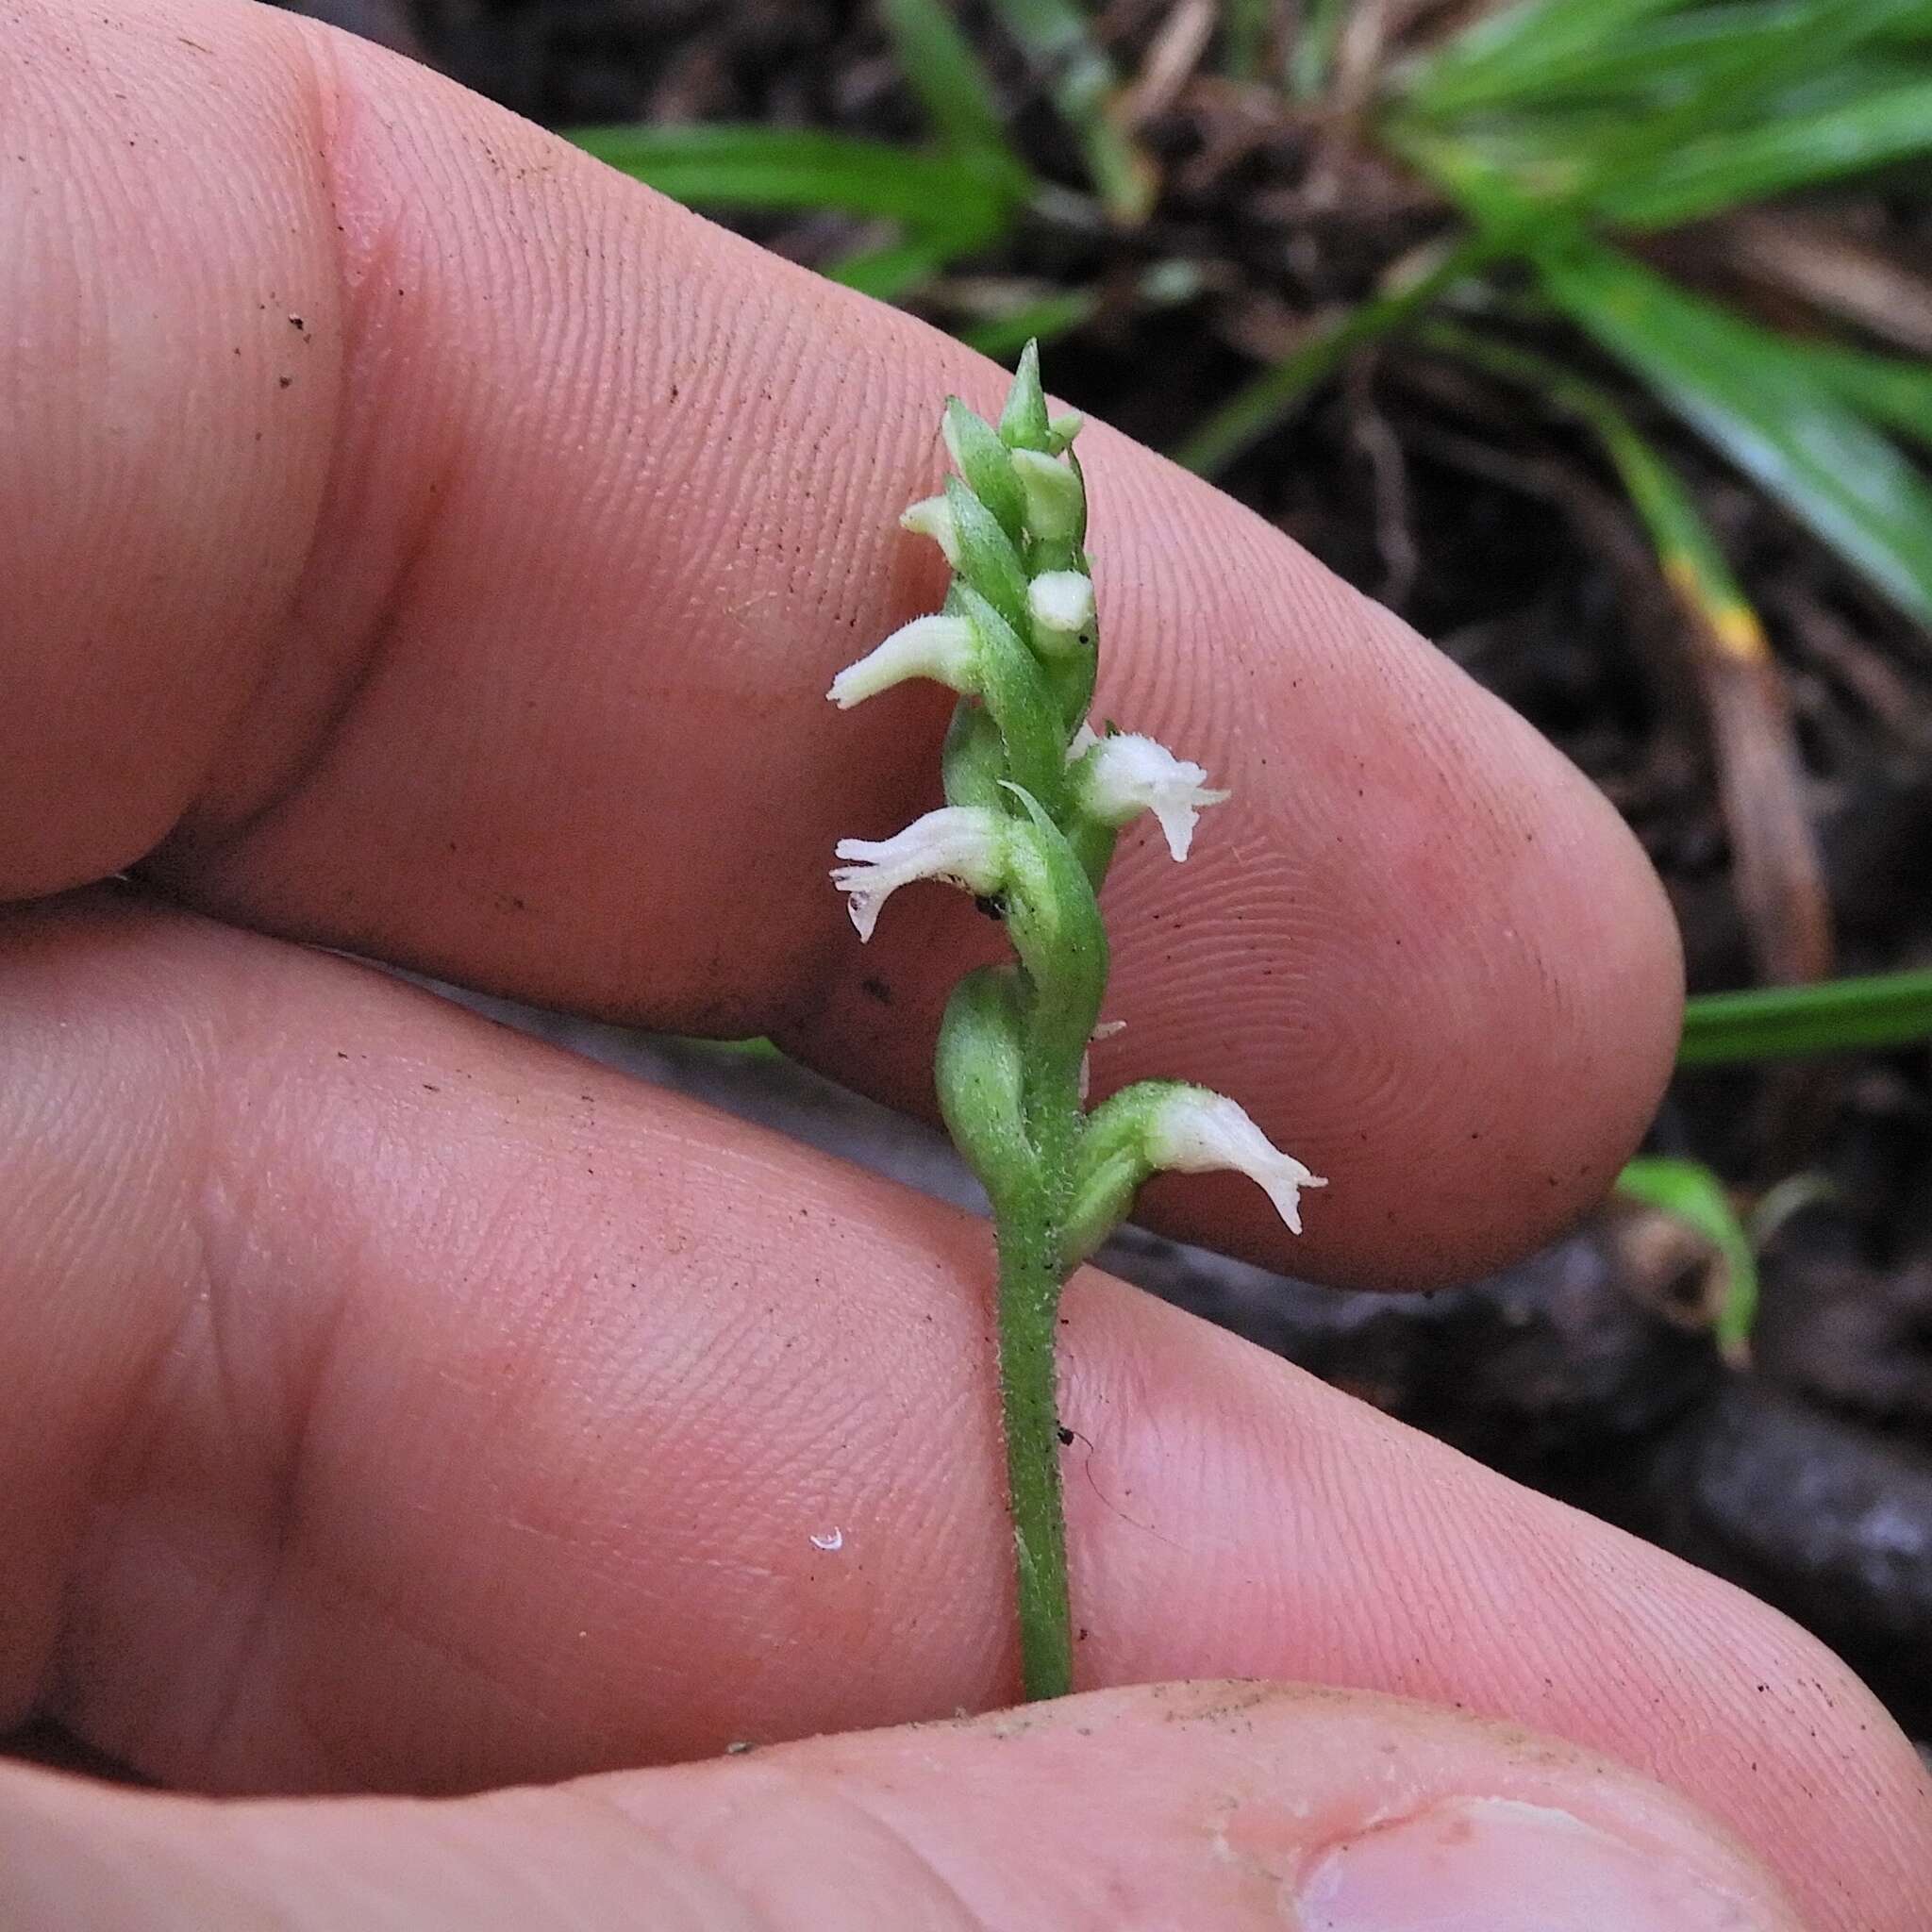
{"type": "Point", "coordinates": [1029, 1299]}
{"type": "Point", "coordinates": [1030, 1225]}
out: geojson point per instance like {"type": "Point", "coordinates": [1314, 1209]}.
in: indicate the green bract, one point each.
{"type": "Point", "coordinates": [1033, 803]}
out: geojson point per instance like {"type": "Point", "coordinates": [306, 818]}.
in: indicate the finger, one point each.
{"type": "Point", "coordinates": [480, 534]}
{"type": "Point", "coordinates": [1217, 1806]}
{"type": "Point", "coordinates": [392, 1402]}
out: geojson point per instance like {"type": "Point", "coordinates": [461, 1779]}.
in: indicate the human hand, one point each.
{"type": "Point", "coordinates": [418, 540]}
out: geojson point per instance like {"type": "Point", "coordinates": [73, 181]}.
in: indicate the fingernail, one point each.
{"type": "Point", "coordinates": [1499, 1865]}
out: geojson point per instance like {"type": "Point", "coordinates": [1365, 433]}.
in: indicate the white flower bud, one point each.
{"type": "Point", "coordinates": [932, 516]}
{"type": "Point", "coordinates": [1056, 498]}
{"type": "Point", "coordinates": [1127, 775]}
{"type": "Point", "coordinates": [941, 649]}
{"type": "Point", "coordinates": [963, 845]}
{"type": "Point", "coordinates": [1193, 1131]}
{"type": "Point", "coordinates": [1060, 602]}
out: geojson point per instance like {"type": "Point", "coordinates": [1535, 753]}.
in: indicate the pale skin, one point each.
{"type": "Point", "coordinates": [390, 1406]}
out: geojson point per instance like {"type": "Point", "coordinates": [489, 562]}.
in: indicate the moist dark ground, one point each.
{"type": "Point", "coordinates": [1495, 529]}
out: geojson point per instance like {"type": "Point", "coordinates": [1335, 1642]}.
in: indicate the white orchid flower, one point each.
{"type": "Point", "coordinates": [941, 647]}
{"type": "Point", "coordinates": [1126, 775]}
{"type": "Point", "coordinates": [962, 845]}
{"type": "Point", "coordinates": [1193, 1131]}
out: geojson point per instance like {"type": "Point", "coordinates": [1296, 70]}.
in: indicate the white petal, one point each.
{"type": "Point", "coordinates": [1129, 774]}
{"type": "Point", "coordinates": [962, 845]}
{"type": "Point", "coordinates": [1060, 602]}
{"type": "Point", "coordinates": [1197, 1132]}
{"type": "Point", "coordinates": [932, 516]}
{"type": "Point", "coordinates": [938, 647]}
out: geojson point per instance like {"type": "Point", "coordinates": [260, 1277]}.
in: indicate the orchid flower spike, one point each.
{"type": "Point", "coordinates": [1125, 774]}
{"type": "Point", "coordinates": [940, 647]}
{"type": "Point", "coordinates": [1193, 1131]}
{"type": "Point", "coordinates": [963, 845]}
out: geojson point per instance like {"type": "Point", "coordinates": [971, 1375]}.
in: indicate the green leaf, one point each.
{"type": "Point", "coordinates": [1790, 433]}
{"type": "Point", "coordinates": [1654, 59]}
{"type": "Point", "coordinates": [1791, 150]}
{"type": "Point", "coordinates": [953, 87]}
{"type": "Point", "coordinates": [1004, 335]}
{"type": "Point", "coordinates": [731, 166]}
{"type": "Point", "coordinates": [1887, 388]}
{"type": "Point", "coordinates": [1314, 58]}
{"type": "Point", "coordinates": [891, 273]}
{"type": "Point", "coordinates": [1268, 400]}
{"type": "Point", "coordinates": [1245, 36]}
{"type": "Point", "coordinates": [1787, 1022]}
{"type": "Point", "coordinates": [1700, 67]}
{"type": "Point", "coordinates": [1690, 1192]}
{"type": "Point", "coordinates": [1782, 96]}
{"type": "Point", "coordinates": [1510, 53]}
{"type": "Point", "coordinates": [1058, 42]}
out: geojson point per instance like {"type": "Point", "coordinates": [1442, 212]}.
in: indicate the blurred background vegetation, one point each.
{"type": "Point", "coordinates": [1595, 337]}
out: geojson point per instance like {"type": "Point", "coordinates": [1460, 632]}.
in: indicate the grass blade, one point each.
{"type": "Point", "coordinates": [1002, 337]}
{"type": "Point", "coordinates": [1887, 388]}
{"type": "Point", "coordinates": [890, 274]}
{"type": "Point", "coordinates": [1790, 433]}
{"type": "Point", "coordinates": [1786, 1022]}
{"type": "Point", "coordinates": [1314, 58]}
{"type": "Point", "coordinates": [1272, 396]}
{"type": "Point", "coordinates": [953, 87]}
{"type": "Point", "coordinates": [1058, 42]}
{"type": "Point", "coordinates": [1245, 25]}
{"type": "Point", "coordinates": [1773, 102]}
{"type": "Point", "coordinates": [1775, 156]}
{"type": "Point", "coordinates": [1743, 86]}
{"type": "Point", "coordinates": [1507, 57]}
{"type": "Point", "coordinates": [1653, 60]}
{"type": "Point", "coordinates": [732, 165]}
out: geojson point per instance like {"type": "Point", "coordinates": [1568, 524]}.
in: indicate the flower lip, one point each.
{"type": "Point", "coordinates": [1193, 1131]}
{"type": "Point", "coordinates": [1128, 774]}
{"type": "Point", "coordinates": [961, 844]}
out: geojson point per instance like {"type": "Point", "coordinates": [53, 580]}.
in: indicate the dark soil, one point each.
{"type": "Point", "coordinates": [1495, 529]}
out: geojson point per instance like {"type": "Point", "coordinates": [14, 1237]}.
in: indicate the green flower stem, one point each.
{"type": "Point", "coordinates": [1029, 1297]}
